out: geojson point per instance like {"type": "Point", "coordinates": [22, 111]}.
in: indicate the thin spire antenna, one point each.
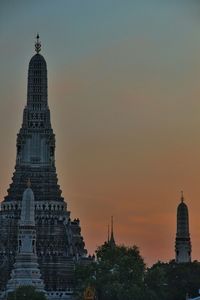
{"type": "Point", "coordinates": [112, 225]}
{"type": "Point", "coordinates": [108, 233]}
{"type": "Point", "coordinates": [37, 44]}
{"type": "Point", "coordinates": [182, 196]}
{"type": "Point", "coordinates": [112, 239]}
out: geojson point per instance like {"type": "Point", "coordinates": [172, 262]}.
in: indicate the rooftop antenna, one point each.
{"type": "Point", "coordinates": [182, 196]}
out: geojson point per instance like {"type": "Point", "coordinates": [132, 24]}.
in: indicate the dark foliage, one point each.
{"type": "Point", "coordinates": [173, 281]}
{"type": "Point", "coordinates": [117, 274]}
{"type": "Point", "coordinates": [26, 293]}
{"type": "Point", "coordinates": [120, 273]}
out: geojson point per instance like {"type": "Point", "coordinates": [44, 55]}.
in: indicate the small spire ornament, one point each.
{"type": "Point", "coordinates": [182, 196]}
{"type": "Point", "coordinates": [37, 44]}
{"type": "Point", "coordinates": [108, 233]}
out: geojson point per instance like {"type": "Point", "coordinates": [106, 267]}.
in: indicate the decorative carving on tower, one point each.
{"type": "Point", "coordinates": [183, 246]}
{"type": "Point", "coordinates": [59, 242]}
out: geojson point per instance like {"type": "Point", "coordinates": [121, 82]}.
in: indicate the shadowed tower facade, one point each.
{"type": "Point", "coordinates": [59, 242]}
{"type": "Point", "coordinates": [183, 243]}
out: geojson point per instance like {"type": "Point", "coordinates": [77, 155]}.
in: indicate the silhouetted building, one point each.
{"type": "Point", "coordinates": [58, 239]}
{"type": "Point", "coordinates": [183, 244]}
{"type": "Point", "coordinates": [111, 239]}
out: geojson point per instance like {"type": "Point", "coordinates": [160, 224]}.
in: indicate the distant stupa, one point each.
{"type": "Point", "coordinates": [183, 246]}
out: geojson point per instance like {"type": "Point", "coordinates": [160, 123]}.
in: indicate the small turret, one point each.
{"type": "Point", "coordinates": [183, 243]}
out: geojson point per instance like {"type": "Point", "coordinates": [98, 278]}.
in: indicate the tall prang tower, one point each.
{"type": "Point", "coordinates": [59, 242]}
{"type": "Point", "coordinates": [183, 246]}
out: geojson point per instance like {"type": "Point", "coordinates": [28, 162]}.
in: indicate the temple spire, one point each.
{"type": "Point", "coordinates": [37, 44]}
{"type": "Point", "coordinates": [112, 240]}
{"type": "Point", "coordinates": [26, 269]}
{"type": "Point", "coordinates": [183, 246]}
{"type": "Point", "coordinates": [182, 196]}
{"type": "Point", "coordinates": [108, 233]}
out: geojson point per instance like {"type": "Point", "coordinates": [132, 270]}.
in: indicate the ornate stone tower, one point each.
{"type": "Point", "coordinates": [59, 241]}
{"type": "Point", "coordinates": [26, 270]}
{"type": "Point", "coordinates": [183, 244]}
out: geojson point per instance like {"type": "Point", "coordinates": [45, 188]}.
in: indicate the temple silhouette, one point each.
{"type": "Point", "coordinates": [58, 241]}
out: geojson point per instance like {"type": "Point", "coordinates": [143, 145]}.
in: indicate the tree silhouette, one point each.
{"type": "Point", "coordinates": [26, 293]}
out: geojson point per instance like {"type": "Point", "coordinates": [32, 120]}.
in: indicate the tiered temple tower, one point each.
{"type": "Point", "coordinates": [59, 242]}
{"type": "Point", "coordinates": [26, 270]}
{"type": "Point", "coordinates": [183, 246]}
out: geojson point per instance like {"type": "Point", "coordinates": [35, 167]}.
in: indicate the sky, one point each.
{"type": "Point", "coordinates": [124, 96]}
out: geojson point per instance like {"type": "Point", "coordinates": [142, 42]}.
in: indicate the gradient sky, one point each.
{"type": "Point", "coordinates": [124, 94]}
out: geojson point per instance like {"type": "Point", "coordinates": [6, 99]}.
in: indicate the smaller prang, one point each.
{"type": "Point", "coordinates": [183, 246]}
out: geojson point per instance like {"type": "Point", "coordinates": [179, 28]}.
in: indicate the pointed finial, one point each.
{"type": "Point", "coordinates": [29, 183]}
{"type": "Point", "coordinates": [37, 44]}
{"type": "Point", "coordinates": [108, 233]}
{"type": "Point", "coordinates": [112, 239]}
{"type": "Point", "coordinates": [112, 225]}
{"type": "Point", "coordinates": [182, 196]}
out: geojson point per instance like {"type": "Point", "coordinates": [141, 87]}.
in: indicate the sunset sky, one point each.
{"type": "Point", "coordinates": [124, 94]}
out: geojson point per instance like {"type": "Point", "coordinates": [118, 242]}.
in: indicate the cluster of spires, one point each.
{"type": "Point", "coordinates": [183, 246]}
{"type": "Point", "coordinates": [180, 218]}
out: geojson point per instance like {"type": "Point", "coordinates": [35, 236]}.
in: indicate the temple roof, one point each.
{"type": "Point", "coordinates": [37, 58]}
{"type": "Point", "coordinates": [182, 207]}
